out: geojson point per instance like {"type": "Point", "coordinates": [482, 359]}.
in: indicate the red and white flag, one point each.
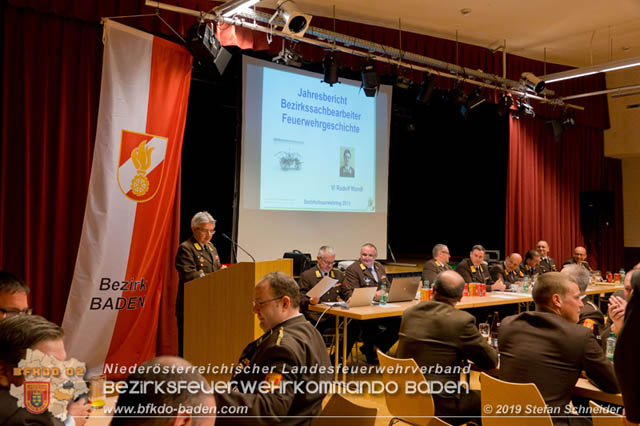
{"type": "Point", "coordinates": [130, 229]}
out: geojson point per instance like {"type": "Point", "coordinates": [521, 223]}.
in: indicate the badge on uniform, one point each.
{"type": "Point", "coordinates": [36, 397]}
{"type": "Point", "coordinates": [273, 379]}
{"type": "Point", "coordinates": [197, 246]}
{"type": "Point", "coordinates": [473, 269]}
{"type": "Point", "coordinates": [589, 323]}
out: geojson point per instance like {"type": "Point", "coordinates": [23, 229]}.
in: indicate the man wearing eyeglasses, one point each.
{"type": "Point", "coordinates": [279, 377]}
{"type": "Point", "coordinates": [439, 263]}
{"type": "Point", "coordinates": [13, 296]}
{"type": "Point", "coordinates": [196, 257]}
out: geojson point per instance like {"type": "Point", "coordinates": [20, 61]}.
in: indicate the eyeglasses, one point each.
{"type": "Point", "coordinates": [207, 231]}
{"type": "Point", "coordinates": [258, 303]}
{"type": "Point", "coordinates": [6, 313]}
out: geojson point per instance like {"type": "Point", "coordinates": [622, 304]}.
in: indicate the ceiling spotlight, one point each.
{"type": "Point", "coordinates": [504, 105]}
{"type": "Point", "coordinates": [295, 22]}
{"type": "Point", "coordinates": [370, 79]}
{"type": "Point", "coordinates": [525, 108]}
{"type": "Point", "coordinates": [403, 82]}
{"type": "Point", "coordinates": [532, 82]}
{"type": "Point", "coordinates": [330, 65]}
{"type": "Point", "coordinates": [206, 48]}
{"type": "Point", "coordinates": [232, 7]}
{"type": "Point", "coordinates": [426, 89]}
{"type": "Point", "coordinates": [288, 57]}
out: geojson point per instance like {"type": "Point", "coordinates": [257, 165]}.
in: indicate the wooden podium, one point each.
{"type": "Point", "coordinates": [218, 313]}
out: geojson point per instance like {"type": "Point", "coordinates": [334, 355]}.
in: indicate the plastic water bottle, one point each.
{"type": "Point", "coordinates": [383, 295]}
{"type": "Point", "coordinates": [525, 284]}
{"type": "Point", "coordinates": [611, 346]}
{"type": "Point", "coordinates": [622, 275]}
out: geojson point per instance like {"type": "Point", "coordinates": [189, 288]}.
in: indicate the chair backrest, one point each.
{"type": "Point", "coordinates": [415, 407]}
{"type": "Point", "coordinates": [339, 411]}
{"type": "Point", "coordinates": [502, 401]}
{"type": "Point", "coordinates": [603, 417]}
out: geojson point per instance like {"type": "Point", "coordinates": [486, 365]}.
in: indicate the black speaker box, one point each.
{"type": "Point", "coordinates": [596, 210]}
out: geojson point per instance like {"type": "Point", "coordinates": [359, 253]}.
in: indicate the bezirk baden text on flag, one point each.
{"type": "Point", "coordinates": [130, 231]}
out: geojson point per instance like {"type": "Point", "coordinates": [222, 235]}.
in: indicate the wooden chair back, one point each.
{"type": "Point", "coordinates": [603, 417]}
{"type": "Point", "coordinates": [339, 411]}
{"type": "Point", "coordinates": [503, 401]}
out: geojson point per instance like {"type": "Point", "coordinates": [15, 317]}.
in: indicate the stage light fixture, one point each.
{"type": "Point", "coordinates": [331, 67]}
{"type": "Point", "coordinates": [504, 105]}
{"type": "Point", "coordinates": [288, 57]}
{"type": "Point", "coordinates": [295, 22]}
{"type": "Point", "coordinates": [525, 108]}
{"type": "Point", "coordinates": [206, 48]}
{"type": "Point", "coordinates": [370, 79]}
{"type": "Point", "coordinates": [425, 92]}
{"type": "Point", "coordinates": [232, 7]}
{"type": "Point", "coordinates": [532, 82]}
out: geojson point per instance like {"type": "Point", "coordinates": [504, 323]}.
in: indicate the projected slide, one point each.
{"type": "Point", "coordinates": [318, 148]}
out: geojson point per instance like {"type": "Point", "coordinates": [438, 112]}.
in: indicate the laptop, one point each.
{"type": "Point", "coordinates": [403, 289]}
{"type": "Point", "coordinates": [362, 296]}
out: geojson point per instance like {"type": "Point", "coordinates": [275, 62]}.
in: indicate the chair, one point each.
{"type": "Point", "coordinates": [413, 408]}
{"type": "Point", "coordinates": [603, 417]}
{"type": "Point", "coordinates": [339, 411]}
{"type": "Point", "coordinates": [501, 398]}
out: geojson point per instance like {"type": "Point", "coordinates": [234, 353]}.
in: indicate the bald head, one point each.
{"type": "Point", "coordinates": [579, 254]}
{"type": "Point", "coordinates": [448, 287]}
{"type": "Point", "coordinates": [512, 261]}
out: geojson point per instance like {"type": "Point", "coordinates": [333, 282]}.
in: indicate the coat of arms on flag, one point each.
{"type": "Point", "coordinates": [141, 164]}
{"type": "Point", "coordinates": [36, 397]}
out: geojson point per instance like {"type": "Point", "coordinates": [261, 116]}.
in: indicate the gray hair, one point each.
{"type": "Point", "coordinates": [201, 218]}
{"type": "Point", "coordinates": [12, 284]}
{"type": "Point", "coordinates": [437, 249]}
{"type": "Point", "coordinates": [579, 275]}
{"type": "Point", "coordinates": [326, 250]}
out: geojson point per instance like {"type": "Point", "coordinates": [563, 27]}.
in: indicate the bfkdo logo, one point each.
{"type": "Point", "coordinates": [141, 164]}
{"type": "Point", "coordinates": [36, 396]}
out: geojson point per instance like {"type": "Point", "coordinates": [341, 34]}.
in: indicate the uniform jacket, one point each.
{"type": "Point", "coordinates": [529, 270]}
{"type": "Point", "coordinates": [475, 274]}
{"type": "Point", "coordinates": [192, 261]}
{"type": "Point", "coordinates": [546, 349]}
{"type": "Point", "coordinates": [310, 278]}
{"type": "Point", "coordinates": [547, 264]}
{"type": "Point", "coordinates": [498, 271]}
{"type": "Point", "coordinates": [432, 268]}
{"type": "Point", "coordinates": [11, 414]}
{"type": "Point", "coordinates": [592, 318]}
{"type": "Point", "coordinates": [292, 344]}
{"type": "Point", "coordinates": [435, 333]}
{"type": "Point", "coordinates": [357, 275]}
{"type": "Point", "coordinates": [627, 356]}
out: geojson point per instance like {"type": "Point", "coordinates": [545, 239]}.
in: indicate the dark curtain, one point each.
{"type": "Point", "coordinates": [544, 182]}
{"type": "Point", "coordinates": [50, 82]}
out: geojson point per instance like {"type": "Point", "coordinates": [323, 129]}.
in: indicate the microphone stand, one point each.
{"type": "Point", "coordinates": [238, 245]}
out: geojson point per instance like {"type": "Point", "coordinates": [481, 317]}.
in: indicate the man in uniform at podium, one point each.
{"type": "Point", "coordinates": [282, 373]}
{"type": "Point", "coordinates": [196, 257]}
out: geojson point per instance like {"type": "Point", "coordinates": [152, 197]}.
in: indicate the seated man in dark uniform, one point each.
{"type": "Point", "coordinates": [579, 258]}
{"type": "Point", "coordinates": [276, 361]}
{"type": "Point", "coordinates": [196, 257]}
{"type": "Point", "coordinates": [547, 264]}
{"type": "Point", "coordinates": [311, 277]}
{"type": "Point", "coordinates": [439, 263]}
{"type": "Point", "coordinates": [474, 270]}
{"type": "Point", "coordinates": [435, 333]}
{"type": "Point", "coordinates": [530, 264]}
{"type": "Point", "coordinates": [590, 315]}
{"type": "Point", "coordinates": [547, 347]}
{"type": "Point", "coordinates": [508, 271]}
{"type": "Point", "coordinates": [366, 272]}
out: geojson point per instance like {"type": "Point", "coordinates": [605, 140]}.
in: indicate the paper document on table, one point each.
{"type": "Point", "coordinates": [505, 295]}
{"type": "Point", "coordinates": [322, 287]}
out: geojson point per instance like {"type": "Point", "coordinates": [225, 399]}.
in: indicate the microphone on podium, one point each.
{"type": "Point", "coordinates": [238, 245]}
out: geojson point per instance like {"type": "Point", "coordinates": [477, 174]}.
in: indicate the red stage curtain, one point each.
{"type": "Point", "coordinates": [50, 82]}
{"type": "Point", "coordinates": [544, 181]}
